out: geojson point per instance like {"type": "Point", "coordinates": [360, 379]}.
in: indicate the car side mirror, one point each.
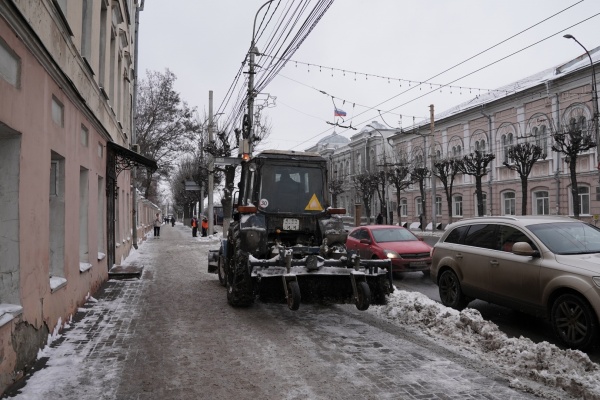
{"type": "Point", "coordinates": [524, 249]}
{"type": "Point", "coordinates": [365, 241]}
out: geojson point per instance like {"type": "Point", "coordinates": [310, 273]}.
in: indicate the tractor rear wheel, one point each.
{"type": "Point", "coordinates": [240, 292]}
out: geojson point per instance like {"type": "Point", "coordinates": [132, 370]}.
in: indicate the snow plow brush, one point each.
{"type": "Point", "coordinates": [314, 279]}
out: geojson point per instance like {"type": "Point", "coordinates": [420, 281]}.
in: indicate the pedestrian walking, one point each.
{"type": "Point", "coordinates": [157, 224]}
{"type": "Point", "coordinates": [379, 219]}
{"type": "Point", "coordinates": [204, 226]}
{"type": "Point", "coordinates": [194, 226]}
{"type": "Point", "coordinates": [422, 221]}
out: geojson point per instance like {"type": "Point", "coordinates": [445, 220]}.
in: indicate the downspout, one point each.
{"type": "Point", "coordinates": [491, 173]}
{"type": "Point", "coordinates": [134, 218]}
{"type": "Point", "coordinates": [557, 172]}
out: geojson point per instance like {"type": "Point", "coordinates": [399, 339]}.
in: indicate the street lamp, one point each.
{"type": "Point", "coordinates": [594, 96]}
{"type": "Point", "coordinates": [386, 192]}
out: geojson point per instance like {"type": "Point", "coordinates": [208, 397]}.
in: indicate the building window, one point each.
{"type": "Point", "coordinates": [57, 217]}
{"type": "Point", "coordinates": [456, 151]}
{"type": "Point", "coordinates": [509, 203]}
{"type": "Point", "coordinates": [85, 136]}
{"type": "Point", "coordinates": [438, 205]}
{"type": "Point", "coordinates": [403, 207]}
{"type": "Point", "coordinates": [541, 138]}
{"type": "Point", "coordinates": [418, 206]}
{"type": "Point", "coordinates": [57, 112]}
{"type": "Point", "coordinates": [584, 201]}
{"type": "Point", "coordinates": [10, 65]}
{"type": "Point", "coordinates": [541, 203]}
{"type": "Point", "coordinates": [457, 206]}
{"type": "Point", "coordinates": [507, 142]}
{"type": "Point", "coordinates": [54, 171]}
{"type": "Point", "coordinates": [100, 150]}
{"type": "Point", "coordinates": [480, 145]}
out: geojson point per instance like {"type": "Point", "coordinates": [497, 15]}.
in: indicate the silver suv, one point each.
{"type": "Point", "coordinates": [545, 266]}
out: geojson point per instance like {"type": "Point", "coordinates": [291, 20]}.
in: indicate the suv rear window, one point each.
{"type": "Point", "coordinates": [456, 234]}
{"type": "Point", "coordinates": [482, 235]}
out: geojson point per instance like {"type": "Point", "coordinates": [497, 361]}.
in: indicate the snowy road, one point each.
{"type": "Point", "coordinates": [171, 335]}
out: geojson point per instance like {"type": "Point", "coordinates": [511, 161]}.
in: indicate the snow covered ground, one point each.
{"type": "Point", "coordinates": [538, 368]}
{"type": "Point", "coordinates": [520, 359]}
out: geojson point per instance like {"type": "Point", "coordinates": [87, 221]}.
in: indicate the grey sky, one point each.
{"type": "Point", "coordinates": [204, 42]}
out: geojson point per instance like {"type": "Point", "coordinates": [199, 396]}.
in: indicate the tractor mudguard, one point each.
{"type": "Point", "coordinates": [253, 232]}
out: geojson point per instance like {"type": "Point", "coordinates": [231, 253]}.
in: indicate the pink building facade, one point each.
{"type": "Point", "coordinates": [66, 200]}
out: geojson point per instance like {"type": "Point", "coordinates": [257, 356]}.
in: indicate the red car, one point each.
{"type": "Point", "coordinates": [408, 252]}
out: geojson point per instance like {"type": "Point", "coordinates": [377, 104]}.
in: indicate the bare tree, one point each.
{"type": "Point", "coordinates": [446, 170]}
{"type": "Point", "coordinates": [367, 183]}
{"type": "Point", "coordinates": [163, 123]}
{"type": "Point", "coordinates": [475, 164]}
{"type": "Point", "coordinates": [419, 175]}
{"type": "Point", "coordinates": [336, 187]}
{"type": "Point", "coordinates": [523, 157]}
{"type": "Point", "coordinates": [571, 142]}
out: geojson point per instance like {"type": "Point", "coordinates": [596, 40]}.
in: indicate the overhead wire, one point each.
{"type": "Point", "coordinates": [462, 77]}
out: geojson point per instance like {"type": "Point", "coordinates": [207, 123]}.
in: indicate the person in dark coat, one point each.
{"type": "Point", "coordinates": [379, 219]}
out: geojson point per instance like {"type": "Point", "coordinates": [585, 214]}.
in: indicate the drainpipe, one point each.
{"type": "Point", "coordinates": [557, 172]}
{"type": "Point", "coordinates": [134, 219]}
{"type": "Point", "coordinates": [491, 173]}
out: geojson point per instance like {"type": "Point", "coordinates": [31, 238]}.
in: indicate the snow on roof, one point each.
{"type": "Point", "coordinates": [541, 77]}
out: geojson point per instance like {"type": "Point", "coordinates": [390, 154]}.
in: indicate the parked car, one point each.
{"type": "Point", "coordinates": [407, 252]}
{"type": "Point", "coordinates": [545, 266]}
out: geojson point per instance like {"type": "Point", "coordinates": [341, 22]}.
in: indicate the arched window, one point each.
{"type": "Point", "coordinates": [542, 139]}
{"type": "Point", "coordinates": [507, 142]}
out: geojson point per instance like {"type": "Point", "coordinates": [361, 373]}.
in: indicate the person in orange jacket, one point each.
{"type": "Point", "coordinates": [204, 226]}
{"type": "Point", "coordinates": [194, 226]}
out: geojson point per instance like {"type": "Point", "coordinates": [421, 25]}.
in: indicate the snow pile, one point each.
{"type": "Point", "coordinates": [520, 358]}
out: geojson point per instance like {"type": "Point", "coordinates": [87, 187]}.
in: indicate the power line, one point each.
{"type": "Point", "coordinates": [462, 77]}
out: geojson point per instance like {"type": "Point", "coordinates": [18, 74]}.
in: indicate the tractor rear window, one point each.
{"type": "Point", "coordinates": [291, 189]}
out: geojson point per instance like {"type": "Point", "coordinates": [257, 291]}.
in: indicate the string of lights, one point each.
{"type": "Point", "coordinates": [407, 82]}
{"type": "Point", "coordinates": [455, 80]}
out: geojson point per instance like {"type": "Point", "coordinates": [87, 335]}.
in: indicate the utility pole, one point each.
{"type": "Point", "coordinates": [432, 155]}
{"type": "Point", "coordinates": [211, 165]}
{"type": "Point", "coordinates": [133, 176]}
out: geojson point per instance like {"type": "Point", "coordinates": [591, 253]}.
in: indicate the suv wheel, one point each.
{"type": "Point", "coordinates": [573, 321]}
{"type": "Point", "coordinates": [450, 291]}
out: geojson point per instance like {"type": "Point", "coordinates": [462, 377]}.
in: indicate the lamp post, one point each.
{"type": "Point", "coordinates": [386, 192]}
{"type": "Point", "coordinates": [594, 95]}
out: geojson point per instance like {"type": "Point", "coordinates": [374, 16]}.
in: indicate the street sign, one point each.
{"type": "Point", "coordinates": [228, 161]}
{"type": "Point", "coordinates": [191, 185]}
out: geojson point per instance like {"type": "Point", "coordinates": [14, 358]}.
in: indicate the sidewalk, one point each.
{"type": "Point", "coordinates": [86, 360]}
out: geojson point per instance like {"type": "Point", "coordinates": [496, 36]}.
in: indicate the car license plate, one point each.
{"type": "Point", "coordinates": [417, 264]}
{"type": "Point", "coordinates": [291, 224]}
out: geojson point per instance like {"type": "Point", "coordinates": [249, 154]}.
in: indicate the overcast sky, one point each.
{"type": "Point", "coordinates": [204, 43]}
